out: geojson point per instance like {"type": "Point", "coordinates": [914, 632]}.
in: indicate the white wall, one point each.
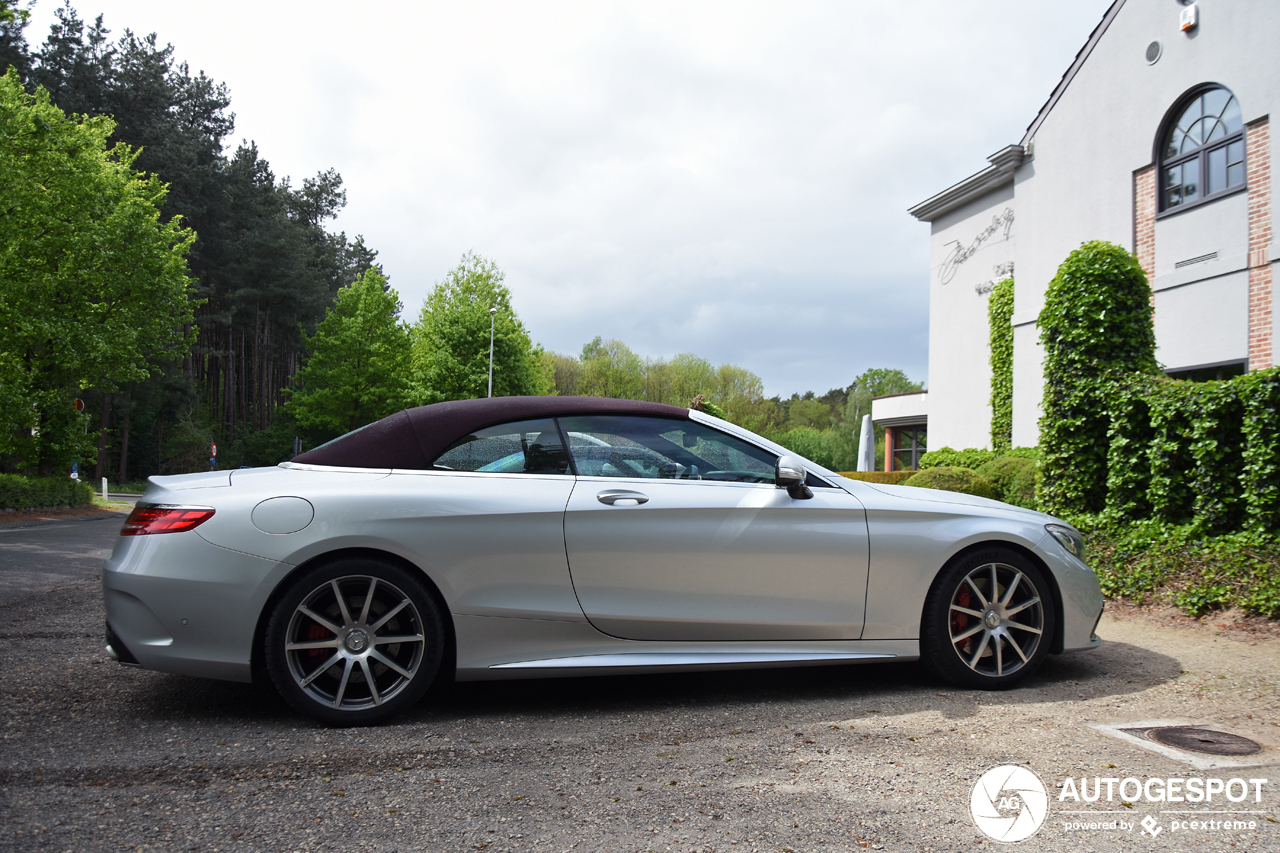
{"type": "Point", "coordinates": [1078, 187]}
{"type": "Point", "coordinates": [1202, 310]}
{"type": "Point", "coordinates": [959, 353]}
{"type": "Point", "coordinates": [1206, 322]}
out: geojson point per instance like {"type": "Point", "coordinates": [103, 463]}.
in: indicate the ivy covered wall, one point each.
{"type": "Point", "coordinates": [1000, 320]}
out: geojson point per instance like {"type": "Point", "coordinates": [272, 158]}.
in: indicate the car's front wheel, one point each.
{"type": "Point", "coordinates": [354, 642]}
{"type": "Point", "coordinates": [988, 621]}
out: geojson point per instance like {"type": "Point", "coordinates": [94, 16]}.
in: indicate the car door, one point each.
{"type": "Point", "coordinates": [675, 531]}
{"type": "Point", "coordinates": [488, 519]}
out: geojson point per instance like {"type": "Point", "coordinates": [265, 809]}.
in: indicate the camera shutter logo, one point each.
{"type": "Point", "coordinates": [1009, 803]}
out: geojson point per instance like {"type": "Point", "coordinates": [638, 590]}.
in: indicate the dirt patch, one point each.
{"type": "Point", "coordinates": [1234, 624]}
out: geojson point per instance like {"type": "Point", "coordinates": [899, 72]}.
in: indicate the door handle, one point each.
{"type": "Point", "coordinates": [625, 497]}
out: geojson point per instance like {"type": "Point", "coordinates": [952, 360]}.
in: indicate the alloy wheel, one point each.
{"type": "Point", "coordinates": [354, 643]}
{"type": "Point", "coordinates": [996, 619]}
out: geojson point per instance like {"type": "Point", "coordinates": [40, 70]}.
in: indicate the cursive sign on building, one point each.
{"type": "Point", "coordinates": [961, 253]}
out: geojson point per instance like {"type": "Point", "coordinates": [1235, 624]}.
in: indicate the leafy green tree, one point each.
{"type": "Point", "coordinates": [611, 369]}
{"type": "Point", "coordinates": [451, 340]}
{"type": "Point", "coordinates": [809, 413]}
{"type": "Point", "coordinates": [876, 382]}
{"type": "Point", "coordinates": [264, 263]}
{"type": "Point", "coordinates": [13, 41]}
{"type": "Point", "coordinates": [566, 370]}
{"type": "Point", "coordinates": [95, 285]}
{"type": "Point", "coordinates": [358, 371]}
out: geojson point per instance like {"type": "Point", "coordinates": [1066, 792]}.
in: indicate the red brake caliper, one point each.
{"type": "Point", "coordinates": [960, 621]}
{"type": "Point", "coordinates": [316, 632]}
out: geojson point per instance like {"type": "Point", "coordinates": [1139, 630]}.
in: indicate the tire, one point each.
{"type": "Point", "coordinates": [974, 641]}
{"type": "Point", "coordinates": [327, 642]}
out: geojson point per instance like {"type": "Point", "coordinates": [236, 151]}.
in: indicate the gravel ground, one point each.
{"type": "Point", "coordinates": [97, 756]}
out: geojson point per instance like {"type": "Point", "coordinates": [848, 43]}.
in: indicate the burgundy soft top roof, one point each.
{"type": "Point", "coordinates": [413, 438]}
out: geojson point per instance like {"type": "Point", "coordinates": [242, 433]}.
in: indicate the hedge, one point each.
{"type": "Point", "coordinates": [1096, 322]}
{"type": "Point", "coordinates": [1201, 453]}
{"type": "Point", "coordinates": [971, 457]}
{"type": "Point", "coordinates": [1149, 561]}
{"type": "Point", "coordinates": [1015, 479]}
{"type": "Point", "coordinates": [955, 479]}
{"type": "Point", "coordinates": [17, 492]}
{"type": "Point", "coordinates": [891, 478]}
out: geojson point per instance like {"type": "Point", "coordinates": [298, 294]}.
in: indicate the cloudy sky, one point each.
{"type": "Point", "coordinates": [729, 179]}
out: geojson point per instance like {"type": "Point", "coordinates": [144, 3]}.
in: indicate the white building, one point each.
{"type": "Point", "coordinates": [1158, 139]}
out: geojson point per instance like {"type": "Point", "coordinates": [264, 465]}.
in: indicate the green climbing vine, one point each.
{"type": "Point", "coordinates": [1000, 318]}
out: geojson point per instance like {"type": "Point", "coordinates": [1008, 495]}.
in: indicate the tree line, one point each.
{"type": "Point", "coordinates": [262, 263]}
{"type": "Point", "coordinates": [179, 295]}
{"type": "Point", "coordinates": [367, 363]}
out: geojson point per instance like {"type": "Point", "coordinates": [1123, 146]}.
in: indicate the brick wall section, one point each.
{"type": "Point", "coordinates": [1258, 158]}
{"type": "Point", "coordinates": [1144, 221]}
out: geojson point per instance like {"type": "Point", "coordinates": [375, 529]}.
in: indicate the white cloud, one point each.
{"type": "Point", "coordinates": [729, 178]}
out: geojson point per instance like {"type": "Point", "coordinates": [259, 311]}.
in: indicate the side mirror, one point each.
{"type": "Point", "coordinates": [789, 474]}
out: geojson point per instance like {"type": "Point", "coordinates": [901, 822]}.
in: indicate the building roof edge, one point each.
{"type": "Point", "coordinates": [1070, 73]}
{"type": "Point", "coordinates": [994, 176]}
{"type": "Point", "coordinates": [1003, 164]}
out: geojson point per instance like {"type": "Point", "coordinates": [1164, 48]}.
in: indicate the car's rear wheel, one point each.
{"type": "Point", "coordinates": [354, 642]}
{"type": "Point", "coordinates": [988, 621]}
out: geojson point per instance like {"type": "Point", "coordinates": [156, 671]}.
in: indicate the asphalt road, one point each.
{"type": "Point", "coordinates": [36, 556]}
{"type": "Point", "coordinates": [96, 756]}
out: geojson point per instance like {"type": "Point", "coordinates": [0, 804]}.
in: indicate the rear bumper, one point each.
{"type": "Point", "coordinates": [118, 651]}
{"type": "Point", "coordinates": [176, 603]}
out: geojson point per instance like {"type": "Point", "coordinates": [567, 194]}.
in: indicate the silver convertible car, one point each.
{"type": "Point", "coordinates": [525, 537]}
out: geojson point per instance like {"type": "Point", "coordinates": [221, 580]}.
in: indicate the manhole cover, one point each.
{"type": "Point", "coordinates": [1195, 739]}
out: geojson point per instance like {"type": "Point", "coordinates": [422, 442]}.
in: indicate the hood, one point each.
{"type": "Point", "coordinates": [915, 493]}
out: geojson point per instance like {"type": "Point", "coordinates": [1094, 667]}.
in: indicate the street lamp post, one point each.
{"type": "Point", "coordinates": [492, 312]}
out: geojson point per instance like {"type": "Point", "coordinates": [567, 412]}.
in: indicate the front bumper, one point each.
{"type": "Point", "coordinates": [1081, 595]}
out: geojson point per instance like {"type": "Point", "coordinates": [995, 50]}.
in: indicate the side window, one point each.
{"type": "Point", "coordinates": [662, 448]}
{"type": "Point", "coordinates": [522, 447]}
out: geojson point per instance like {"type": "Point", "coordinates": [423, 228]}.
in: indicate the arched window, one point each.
{"type": "Point", "coordinates": [1202, 151]}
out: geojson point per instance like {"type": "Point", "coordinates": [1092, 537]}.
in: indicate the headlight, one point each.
{"type": "Point", "coordinates": [1069, 537]}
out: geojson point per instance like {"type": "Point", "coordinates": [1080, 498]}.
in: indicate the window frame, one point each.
{"type": "Point", "coordinates": [1198, 155]}
{"type": "Point", "coordinates": [569, 470]}
{"type": "Point", "coordinates": [916, 450]}
{"type": "Point", "coordinates": [812, 479]}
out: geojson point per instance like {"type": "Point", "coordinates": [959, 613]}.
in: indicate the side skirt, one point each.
{"type": "Point", "coordinates": [491, 647]}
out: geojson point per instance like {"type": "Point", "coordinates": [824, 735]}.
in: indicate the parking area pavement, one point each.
{"type": "Point", "coordinates": [97, 756]}
{"type": "Point", "coordinates": [38, 554]}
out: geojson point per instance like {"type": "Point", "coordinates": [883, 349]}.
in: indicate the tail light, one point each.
{"type": "Point", "coordinates": [147, 519]}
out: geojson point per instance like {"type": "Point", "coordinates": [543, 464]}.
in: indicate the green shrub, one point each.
{"type": "Point", "coordinates": [1096, 323]}
{"type": "Point", "coordinates": [18, 492]}
{"type": "Point", "coordinates": [972, 457]}
{"type": "Point", "coordinates": [1129, 434]}
{"type": "Point", "coordinates": [1149, 561]}
{"type": "Point", "coordinates": [954, 479]}
{"type": "Point", "coordinates": [1260, 397]}
{"type": "Point", "coordinates": [1000, 320]}
{"type": "Point", "coordinates": [1216, 440]}
{"type": "Point", "coordinates": [1015, 479]}
{"type": "Point", "coordinates": [891, 478]}
{"type": "Point", "coordinates": [1169, 489]}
